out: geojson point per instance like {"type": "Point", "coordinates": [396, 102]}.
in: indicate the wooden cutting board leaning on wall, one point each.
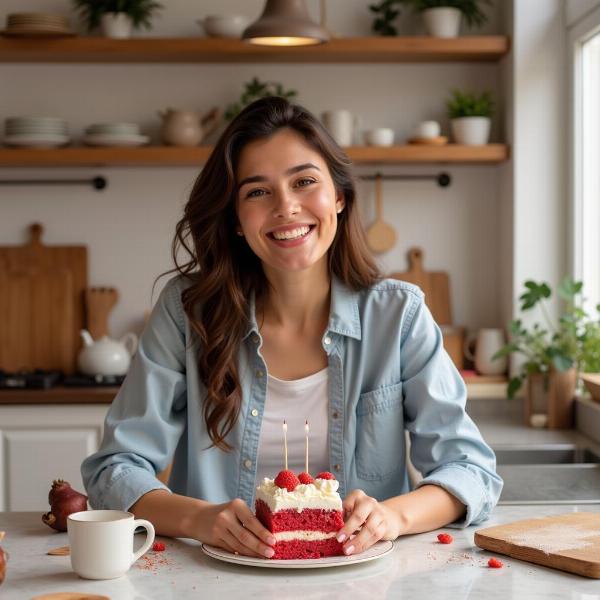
{"type": "Point", "coordinates": [435, 286]}
{"type": "Point", "coordinates": [569, 542]}
{"type": "Point", "coordinates": [41, 304]}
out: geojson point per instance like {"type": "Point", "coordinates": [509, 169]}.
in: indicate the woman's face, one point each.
{"type": "Point", "coordinates": [286, 201]}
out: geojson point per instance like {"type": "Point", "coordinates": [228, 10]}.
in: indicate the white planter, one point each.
{"type": "Point", "coordinates": [471, 131]}
{"type": "Point", "coordinates": [116, 25]}
{"type": "Point", "coordinates": [443, 22]}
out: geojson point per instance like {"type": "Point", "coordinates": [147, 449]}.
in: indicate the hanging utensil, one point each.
{"type": "Point", "coordinates": [381, 236]}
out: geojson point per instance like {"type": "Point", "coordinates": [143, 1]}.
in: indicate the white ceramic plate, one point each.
{"type": "Point", "coordinates": [98, 139]}
{"type": "Point", "coordinates": [36, 140]}
{"type": "Point", "coordinates": [379, 550]}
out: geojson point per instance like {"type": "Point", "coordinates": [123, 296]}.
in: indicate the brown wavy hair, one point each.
{"type": "Point", "coordinates": [222, 269]}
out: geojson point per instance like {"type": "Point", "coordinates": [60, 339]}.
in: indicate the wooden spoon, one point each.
{"type": "Point", "coordinates": [381, 236]}
{"type": "Point", "coordinates": [99, 302]}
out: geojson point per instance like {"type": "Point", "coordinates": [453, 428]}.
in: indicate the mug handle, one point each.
{"type": "Point", "coordinates": [467, 346]}
{"type": "Point", "coordinates": [149, 537]}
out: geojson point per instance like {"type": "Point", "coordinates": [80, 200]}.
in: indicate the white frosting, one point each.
{"type": "Point", "coordinates": [304, 535]}
{"type": "Point", "coordinates": [320, 494]}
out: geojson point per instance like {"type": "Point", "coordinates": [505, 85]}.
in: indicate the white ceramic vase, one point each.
{"type": "Point", "coordinates": [116, 25]}
{"type": "Point", "coordinates": [471, 131]}
{"type": "Point", "coordinates": [442, 22]}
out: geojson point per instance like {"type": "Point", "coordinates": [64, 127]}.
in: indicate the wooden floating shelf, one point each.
{"type": "Point", "coordinates": [215, 50]}
{"type": "Point", "coordinates": [167, 156]}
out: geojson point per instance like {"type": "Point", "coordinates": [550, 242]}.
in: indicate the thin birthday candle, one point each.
{"type": "Point", "coordinates": [306, 447]}
{"type": "Point", "coordinates": [285, 446]}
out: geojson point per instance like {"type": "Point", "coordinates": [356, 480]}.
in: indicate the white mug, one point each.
{"type": "Point", "coordinates": [340, 124]}
{"type": "Point", "coordinates": [380, 136]}
{"type": "Point", "coordinates": [488, 342]}
{"type": "Point", "coordinates": [428, 129]}
{"type": "Point", "coordinates": [101, 542]}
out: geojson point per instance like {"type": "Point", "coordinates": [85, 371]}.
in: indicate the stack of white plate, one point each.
{"type": "Point", "coordinates": [37, 132]}
{"type": "Point", "coordinates": [114, 134]}
{"type": "Point", "coordinates": [37, 24]}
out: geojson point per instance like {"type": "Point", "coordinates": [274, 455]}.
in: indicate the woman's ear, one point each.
{"type": "Point", "coordinates": [340, 203]}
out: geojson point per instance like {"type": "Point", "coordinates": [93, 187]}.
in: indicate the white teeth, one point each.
{"type": "Point", "coordinates": [292, 234]}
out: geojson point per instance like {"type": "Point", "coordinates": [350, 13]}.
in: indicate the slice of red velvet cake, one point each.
{"type": "Point", "coordinates": [304, 515]}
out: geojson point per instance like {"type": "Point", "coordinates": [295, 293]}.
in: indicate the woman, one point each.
{"type": "Point", "coordinates": [280, 312]}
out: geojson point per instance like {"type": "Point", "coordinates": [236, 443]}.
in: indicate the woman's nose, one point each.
{"type": "Point", "coordinates": [285, 203]}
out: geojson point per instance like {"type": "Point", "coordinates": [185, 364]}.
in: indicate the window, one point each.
{"type": "Point", "coordinates": [585, 44]}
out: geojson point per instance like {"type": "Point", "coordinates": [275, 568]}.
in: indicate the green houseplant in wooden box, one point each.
{"type": "Point", "coordinates": [554, 353]}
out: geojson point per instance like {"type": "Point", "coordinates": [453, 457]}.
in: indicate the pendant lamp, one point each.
{"type": "Point", "coordinates": [285, 23]}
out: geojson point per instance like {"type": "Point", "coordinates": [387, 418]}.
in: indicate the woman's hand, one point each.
{"type": "Point", "coordinates": [234, 527]}
{"type": "Point", "coordinates": [375, 520]}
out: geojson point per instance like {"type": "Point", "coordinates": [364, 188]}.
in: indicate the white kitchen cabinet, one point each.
{"type": "Point", "coordinates": [43, 442]}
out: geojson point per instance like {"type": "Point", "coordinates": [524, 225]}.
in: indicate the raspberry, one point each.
{"type": "Point", "coordinates": [158, 547]}
{"type": "Point", "coordinates": [494, 563]}
{"type": "Point", "coordinates": [305, 478]}
{"type": "Point", "coordinates": [325, 475]}
{"type": "Point", "coordinates": [445, 538]}
{"type": "Point", "coordinates": [287, 480]}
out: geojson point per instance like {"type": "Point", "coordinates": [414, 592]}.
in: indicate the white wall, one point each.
{"type": "Point", "coordinates": [539, 144]}
{"type": "Point", "coordinates": [128, 227]}
{"type": "Point", "coordinates": [577, 9]}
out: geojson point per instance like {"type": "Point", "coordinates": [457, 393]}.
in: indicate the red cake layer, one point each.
{"type": "Point", "coordinates": [311, 519]}
{"type": "Point", "coordinates": [302, 549]}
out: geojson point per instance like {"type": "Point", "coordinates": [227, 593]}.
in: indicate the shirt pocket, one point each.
{"type": "Point", "coordinates": [380, 433]}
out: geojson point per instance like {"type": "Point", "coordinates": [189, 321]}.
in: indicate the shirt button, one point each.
{"type": "Point", "coordinates": [259, 373]}
{"type": "Point", "coordinates": [254, 412]}
{"type": "Point", "coordinates": [335, 414]}
{"type": "Point", "coordinates": [248, 463]}
{"type": "Point", "coordinates": [327, 340]}
{"type": "Point", "coordinates": [337, 467]}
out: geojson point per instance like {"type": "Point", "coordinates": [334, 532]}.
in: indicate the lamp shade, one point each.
{"type": "Point", "coordinates": [285, 23]}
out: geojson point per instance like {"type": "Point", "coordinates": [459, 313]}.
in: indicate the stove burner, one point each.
{"type": "Point", "coordinates": [44, 380]}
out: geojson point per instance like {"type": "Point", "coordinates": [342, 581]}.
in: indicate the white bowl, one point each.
{"type": "Point", "coordinates": [381, 136]}
{"type": "Point", "coordinates": [224, 26]}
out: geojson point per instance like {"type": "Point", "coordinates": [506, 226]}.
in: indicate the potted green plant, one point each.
{"type": "Point", "coordinates": [554, 353]}
{"type": "Point", "coordinates": [470, 117]}
{"type": "Point", "coordinates": [253, 90]}
{"type": "Point", "coordinates": [441, 18]}
{"type": "Point", "coordinates": [117, 18]}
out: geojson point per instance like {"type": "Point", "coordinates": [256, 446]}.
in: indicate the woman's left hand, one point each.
{"type": "Point", "coordinates": [375, 520]}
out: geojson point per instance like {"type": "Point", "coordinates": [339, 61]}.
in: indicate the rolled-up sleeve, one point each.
{"type": "Point", "coordinates": [446, 446]}
{"type": "Point", "coordinates": [147, 417]}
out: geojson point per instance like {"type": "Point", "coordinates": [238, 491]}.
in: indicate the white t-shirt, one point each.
{"type": "Point", "coordinates": [295, 402]}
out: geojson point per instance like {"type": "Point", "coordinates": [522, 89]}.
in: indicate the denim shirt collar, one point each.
{"type": "Point", "coordinates": [343, 314]}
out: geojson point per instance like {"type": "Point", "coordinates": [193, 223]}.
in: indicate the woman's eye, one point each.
{"type": "Point", "coordinates": [254, 193]}
{"type": "Point", "coordinates": [305, 180]}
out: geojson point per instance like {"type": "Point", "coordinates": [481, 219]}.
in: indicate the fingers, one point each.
{"type": "Point", "coordinates": [366, 514]}
{"type": "Point", "coordinates": [371, 532]}
{"type": "Point", "coordinates": [359, 506]}
{"type": "Point", "coordinates": [241, 531]}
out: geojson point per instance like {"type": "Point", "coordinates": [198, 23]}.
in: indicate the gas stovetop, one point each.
{"type": "Point", "coordinates": [44, 380]}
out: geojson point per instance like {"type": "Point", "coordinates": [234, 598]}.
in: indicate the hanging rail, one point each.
{"type": "Point", "coordinates": [442, 179]}
{"type": "Point", "coordinates": [98, 183]}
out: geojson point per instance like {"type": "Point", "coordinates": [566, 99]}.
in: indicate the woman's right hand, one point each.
{"type": "Point", "coordinates": [234, 527]}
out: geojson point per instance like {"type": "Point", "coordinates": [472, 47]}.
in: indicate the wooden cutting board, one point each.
{"type": "Point", "coordinates": [41, 304]}
{"type": "Point", "coordinates": [569, 542]}
{"type": "Point", "coordinates": [435, 286]}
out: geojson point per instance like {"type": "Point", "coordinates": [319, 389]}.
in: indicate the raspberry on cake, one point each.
{"type": "Point", "coordinates": [303, 518]}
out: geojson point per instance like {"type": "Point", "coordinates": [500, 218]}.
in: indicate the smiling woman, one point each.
{"type": "Point", "coordinates": [280, 313]}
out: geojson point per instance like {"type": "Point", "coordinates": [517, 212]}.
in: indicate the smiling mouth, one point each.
{"type": "Point", "coordinates": [292, 234]}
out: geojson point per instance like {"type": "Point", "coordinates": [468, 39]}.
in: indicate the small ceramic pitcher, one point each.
{"type": "Point", "coordinates": [487, 343]}
{"type": "Point", "coordinates": [187, 127]}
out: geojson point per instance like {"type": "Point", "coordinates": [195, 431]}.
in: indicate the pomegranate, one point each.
{"type": "Point", "coordinates": [3, 559]}
{"type": "Point", "coordinates": [64, 500]}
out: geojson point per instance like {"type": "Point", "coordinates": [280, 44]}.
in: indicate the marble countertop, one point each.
{"type": "Point", "coordinates": [419, 567]}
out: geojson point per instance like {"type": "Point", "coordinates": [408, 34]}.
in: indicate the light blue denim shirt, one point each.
{"type": "Point", "coordinates": [388, 372]}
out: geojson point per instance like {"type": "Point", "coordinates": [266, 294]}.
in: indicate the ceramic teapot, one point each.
{"type": "Point", "coordinates": [106, 356]}
{"type": "Point", "coordinates": [186, 127]}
